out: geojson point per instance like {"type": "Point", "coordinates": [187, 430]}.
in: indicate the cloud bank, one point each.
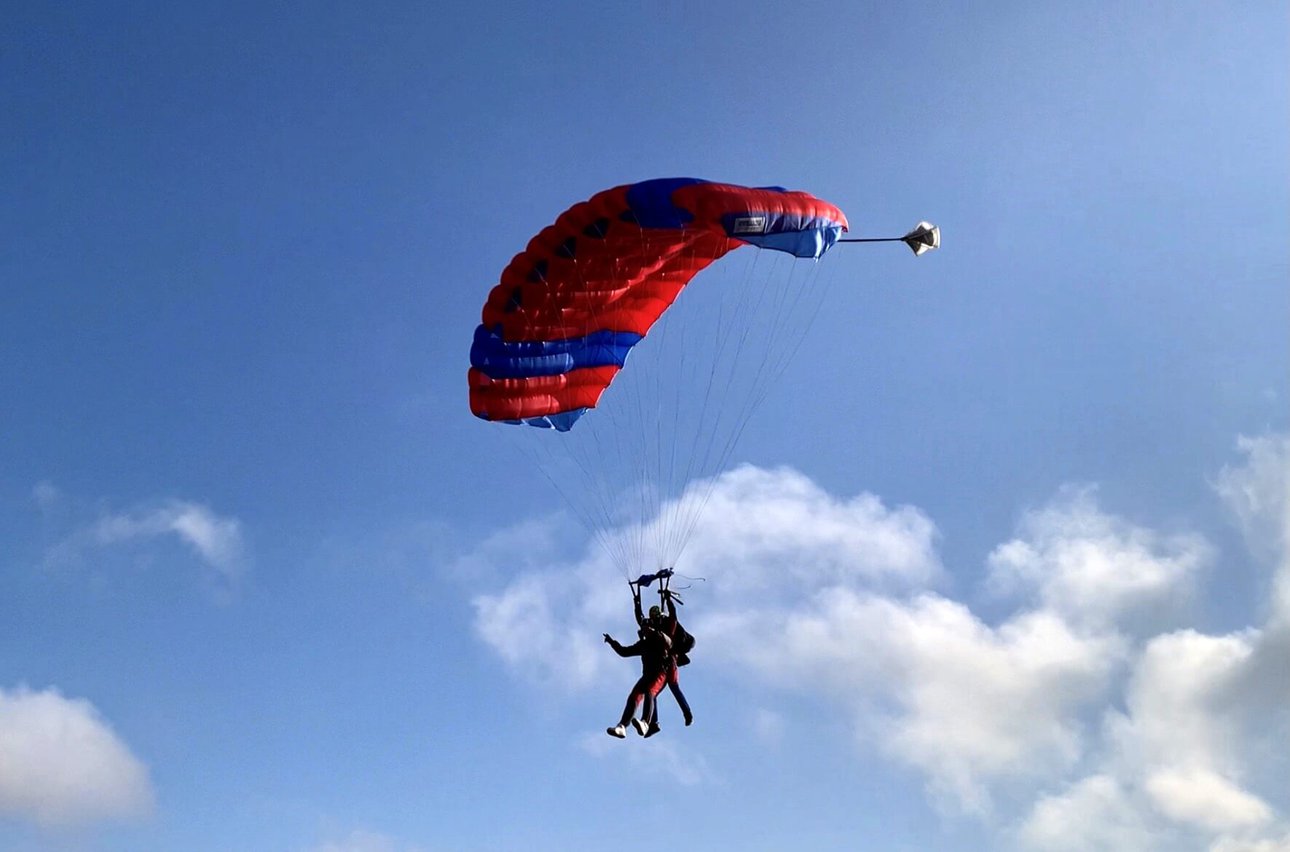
{"type": "Point", "coordinates": [62, 765]}
{"type": "Point", "coordinates": [761, 530]}
{"type": "Point", "coordinates": [1092, 715]}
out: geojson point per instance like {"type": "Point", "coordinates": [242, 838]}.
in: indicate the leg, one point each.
{"type": "Point", "coordinates": [650, 715]}
{"type": "Point", "coordinates": [633, 698]}
{"type": "Point", "coordinates": [674, 684]}
{"type": "Point", "coordinates": [620, 730]}
{"type": "Point", "coordinates": [680, 701]}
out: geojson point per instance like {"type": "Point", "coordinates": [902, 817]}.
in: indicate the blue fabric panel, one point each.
{"type": "Point", "coordinates": [561, 422]}
{"type": "Point", "coordinates": [800, 236]}
{"type": "Point", "coordinates": [651, 202]}
{"type": "Point", "coordinates": [499, 359]}
{"type": "Point", "coordinates": [812, 242]}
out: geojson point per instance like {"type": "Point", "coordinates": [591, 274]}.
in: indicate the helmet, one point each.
{"type": "Point", "coordinates": [655, 613]}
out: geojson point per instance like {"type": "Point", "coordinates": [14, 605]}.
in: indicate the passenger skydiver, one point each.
{"type": "Point", "coordinates": [654, 649]}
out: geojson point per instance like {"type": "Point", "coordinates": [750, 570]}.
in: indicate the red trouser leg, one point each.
{"type": "Point", "coordinates": [648, 687]}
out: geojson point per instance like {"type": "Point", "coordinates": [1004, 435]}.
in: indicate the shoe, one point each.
{"type": "Point", "coordinates": [640, 726]}
{"type": "Point", "coordinates": [688, 719]}
{"type": "Point", "coordinates": [653, 729]}
{"type": "Point", "coordinates": [617, 731]}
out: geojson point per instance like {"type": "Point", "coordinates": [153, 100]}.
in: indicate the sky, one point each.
{"type": "Point", "coordinates": [1002, 561]}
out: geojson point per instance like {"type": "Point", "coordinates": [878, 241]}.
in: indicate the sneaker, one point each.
{"type": "Point", "coordinates": [688, 719]}
{"type": "Point", "coordinates": [616, 731]}
{"type": "Point", "coordinates": [653, 729]}
{"type": "Point", "coordinates": [640, 726]}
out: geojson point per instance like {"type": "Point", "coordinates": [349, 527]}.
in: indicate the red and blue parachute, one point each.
{"type": "Point", "coordinates": [558, 327]}
{"type": "Point", "coordinates": [600, 283]}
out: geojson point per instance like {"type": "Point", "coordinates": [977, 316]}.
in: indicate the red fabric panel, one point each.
{"type": "Point", "coordinates": [621, 281]}
{"type": "Point", "coordinates": [516, 399]}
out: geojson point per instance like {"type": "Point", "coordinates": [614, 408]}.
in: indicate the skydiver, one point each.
{"type": "Point", "coordinates": [679, 642]}
{"type": "Point", "coordinates": [654, 649]}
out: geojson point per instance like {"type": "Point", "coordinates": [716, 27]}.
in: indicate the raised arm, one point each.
{"type": "Point", "coordinates": [668, 604]}
{"type": "Point", "coordinates": [636, 605]}
{"type": "Point", "coordinates": [633, 650]}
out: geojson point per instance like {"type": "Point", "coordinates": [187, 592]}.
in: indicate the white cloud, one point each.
{"type": "Point", "coordinates": [528, 545]}
{"type": "Point", "coordinates": [1095, 569]}
{"type": "Point", "coordinates": [656, 758]}
{"type": "Point", "coordinates": [777, 530]}
{"type": "Point", "coordinates": [1204, 715]}
{"type": "Point", "coordinates": [1252, 844]}
{"type": "Point", "coordinates": [61, 764]}
{"type": "Point", "coordinates": [1188, 734]}
{"type": "Point", "coordinates": [528, 625]}
{"type": "Point", "coordinates": [1170, 769]}
{"type": "Point", "coordinates": [47, 496]}
{"type": "Point", "coordinates": [768, 726]}
{"type": "Point", "coordinates": [837, 598]}
{"type": "Point", "coordinates": [939, 689]}
{"type": "Point", "coordinates": [1206, 799]}
{"type": "Point", "coordinates": [783, 532]}
{"type": "Point", "coordinates": [1258, 494]}
{"type": "Point", "coordinates": [1257, 491]}
{"type": "Point", "coordinates": [1174, 701]}
{"type": "Point", "coordinates": [1095, 813]}
{"type": "Point", "coordinates": [362, 840]}
{"type": "Point", "coordinates": [216, 541]}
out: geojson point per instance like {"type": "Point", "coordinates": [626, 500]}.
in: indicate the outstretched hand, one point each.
{"type": "Point", "coordinates": [608, 639]}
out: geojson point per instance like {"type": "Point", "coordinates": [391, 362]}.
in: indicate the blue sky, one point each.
{"type": "Point", "coordinates": [1001, 563]}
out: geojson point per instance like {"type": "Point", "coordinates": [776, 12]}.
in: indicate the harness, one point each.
{"type": "Point", "coordinates": [678, 654]}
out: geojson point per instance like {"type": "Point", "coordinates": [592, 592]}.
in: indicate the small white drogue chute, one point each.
{"type": "Point", "coordinates": [923, 238]}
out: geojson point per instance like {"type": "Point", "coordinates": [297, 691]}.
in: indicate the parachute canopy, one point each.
{"type": "Point", "coordinates": [557, 328]}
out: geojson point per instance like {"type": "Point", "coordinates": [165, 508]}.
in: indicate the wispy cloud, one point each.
{"type": "Point", "coordinates": [61, 764]}
{"type": "Point", "coordinates": [768, 726]}
{"type": "Point", "coordinates": [216, 541]}
{"type": "Point", "coordinates": [657, 758]}
{"type": "Point", "coordinates": [47, 496]}
{"type": "Point", "coordinates": [363, 840]}
{"type": "Point", "coordinates": [1108, 721]}
{"type": "Point", "coordinates": [1258, 494]}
